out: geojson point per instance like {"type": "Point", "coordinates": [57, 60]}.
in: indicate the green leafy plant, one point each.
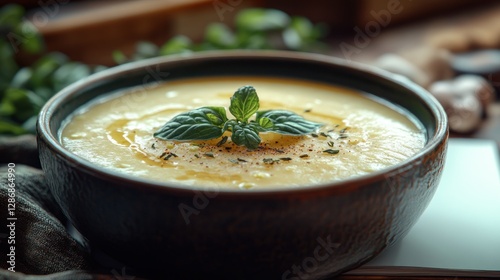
{"type": "Point", "coordinates": [211, 122]}
{"type": "Point", "coordinates": [254, 28]}
{"type": "Point", "coordinates": [25, 89]}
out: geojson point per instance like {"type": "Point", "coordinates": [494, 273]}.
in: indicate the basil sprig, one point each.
{"type": "Point", "coordinates": [211, 122]}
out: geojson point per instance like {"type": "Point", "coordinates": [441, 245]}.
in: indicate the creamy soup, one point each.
{"type": "Point", "coordinates": [360, 135]}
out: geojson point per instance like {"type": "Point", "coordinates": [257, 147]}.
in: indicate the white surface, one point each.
{"type": "Point", "coordinates": [460, 229]}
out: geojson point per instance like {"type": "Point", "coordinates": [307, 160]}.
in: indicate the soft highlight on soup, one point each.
{"type": "Point", "coordinates": [360, 135]}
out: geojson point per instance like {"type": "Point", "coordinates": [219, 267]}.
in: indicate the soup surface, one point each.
{"type": "Point", "coordinates": [359, 136]}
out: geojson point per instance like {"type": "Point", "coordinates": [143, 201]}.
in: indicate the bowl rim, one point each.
{"type": "Point", "coordinates": [342, 186]}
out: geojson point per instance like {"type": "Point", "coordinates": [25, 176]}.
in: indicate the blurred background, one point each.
{"type": "Point", "coordinates": [48, 44]}
{"type": "Point", "coordinates": [90, 30]}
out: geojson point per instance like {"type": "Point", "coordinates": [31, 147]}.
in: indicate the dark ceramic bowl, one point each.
{"type": "Point", "coordinates": [302, 233]}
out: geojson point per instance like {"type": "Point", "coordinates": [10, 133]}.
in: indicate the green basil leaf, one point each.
{"type": "Point", "coordinates": [145, 50]}
{"type": "Point", "coordinates": [302, 34]}
{"type": "Point", "coordinates": [69, 73]}
{"type": "Point", "coordinates": [211, 122]}
{"type": "Point", "coordinates": [247, 40]}
{"type": "Point", "coordinates": [32, 41]}
{"type": "Point", "coordinates": [20, 104]}
{"type": "Point", "coordinates": [265, 123]}
{"type": "Point", "coordinates": [259, 20]}
{"type": "Point", "coordinates": [287, 122]}
{"type": "Point", "coordinates": [229, 125]}
{"type": "Point", "coordinates": [199, 124]}
{"type": "Point", "coordinates": [44, 92]}
{"type": "Point", "coordinates": [177, 44]}
{"type": "Point", "coordinates": [44, 67]}
{"type": "Point", "coordinates": [11, 15]}
{"type": "Point", "coordinates": [292, 39]}
{"type": "Point", "coordinates": [119, 57]}
{"type": "Point", "coordinates": [220, 35]}
{"type": "Point", "coordinates": [22, 78]}
{"type": "Point", "coordinates": [8, 65]}
{"type": "Point", "coordinates": [8, 127]}
{"type": "Point", "coordinates": [244, 103]}
{"type": "Point", "coordinates": [245, 135]}
{"type": "Point", "coordinates": [216, 115]}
